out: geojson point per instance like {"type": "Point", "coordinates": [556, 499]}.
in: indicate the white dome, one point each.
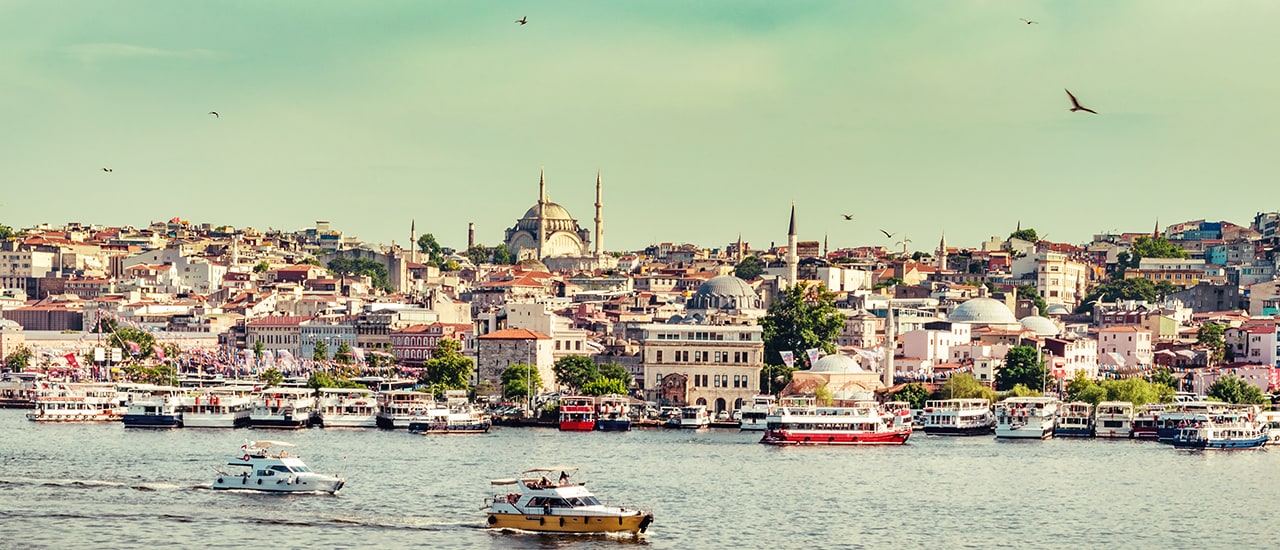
{"type": "Point", "coordinates": [1042, 326]}
{"type": "Point", "coordinates": [983, 311]}
{"type": "Point", "coordinates": [836, 363]}
{"type": "Point", "coordinates": [1058, 309]}
{"type": "Point", "coordinates": [9, 324]}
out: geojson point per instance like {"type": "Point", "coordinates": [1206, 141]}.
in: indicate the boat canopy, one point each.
{"type": "Point", "coordinates": [551, 469]}
{"type": "Point", "coordinates": [267, 443]}
{"type": "Point", "coordinates": [503, 481]}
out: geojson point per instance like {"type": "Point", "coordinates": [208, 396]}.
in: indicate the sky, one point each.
{"type": "Point", "coordinates": [705, 119]}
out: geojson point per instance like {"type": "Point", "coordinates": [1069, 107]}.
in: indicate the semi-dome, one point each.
{"type": "Point", "coordinates": [725, 292]}
{"type": "Point", "coordinates": [836, 363]}
{"type": "Point", "coordinates": [1041, 326]}
{"type": "Point", "coordinates": [983, 311]}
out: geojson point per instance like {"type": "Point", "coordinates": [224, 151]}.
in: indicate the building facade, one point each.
{"type": "Point", "coordinates": [720, 364]}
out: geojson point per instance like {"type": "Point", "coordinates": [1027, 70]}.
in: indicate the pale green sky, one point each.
{"type": "Point", "coordinates": [707, 118]}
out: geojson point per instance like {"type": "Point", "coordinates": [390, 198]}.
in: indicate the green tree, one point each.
{"type": "Point", "coordinates": [965, 386]}
{"type": "Point", "coordinates": [1028, 235]}
{"type": "Point", "coordinates": [1121, 289]}
{"type": "Point", "coordinates": [1137, 391]}
{"type": "Point", "coordinates": [801, 318]}
{"type": "Point", "coordinates": [1164, 376]}
{"type": "Point", "coordinates": [773, 378]}
{"type": "Point", "coordinates": [376, 272]}
{"type": "Point", "coordinates": [450, 265]}
{"type": "Point", "coordinates": [915, 394]}
{"type": "Point", "coordinates": [261, 267]}
{"type": "Point", "coordinates": [1233, 389]}
{"type": "Point", "coordinates": [447, 369]}
{"type": "Point", "coordinates": [615, 371]}
{"type": "Point", "coordinates": [310, 261]}
{"type": "Point", "coordinates": [502, 256]}
{"type": "Point", "coordinates": [1022, 365]}
{"type": "Point", "coordinates": [520, 382]}
{"type": "Point", "coordinates": [427, 244]}
{"type": "Point", "coordinates": [134, 342]}
{"type": "Point", "coordinates": [1211, 335]}
{"type": "Point", "coordinates": [1030, 292]}
{"type": "Point", "coordinates": [602, 386]}
{"type": "Point", "coordinates": [822, 394]}
{"type": "Point", "coordinates": [575, 371]}
{"type": "Point", "coordinates": [322, 379]}
{"type": "Point", "coordinates": [1019, 390]}
{"type": "Point", "coordinates": [478, 254]}
{"type": "Point", "coordinates": [258, 348]}
{"type": "Point", "coordinates": [344, 356]}
{"type": "Point", "coordinates": [1084, 389]}
{"type": "Point", "coordinates": [271, 377]}
{"type": "Point", "coordinates": [321, 351]}
{"type": "Point", "coordinates": [19, 359]}
{"type": "Point", "coordinates": [6, 232]}
{"type": "Point", "coordinates": [748, 269]}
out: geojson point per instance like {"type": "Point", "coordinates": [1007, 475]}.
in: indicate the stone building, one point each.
{"type": "Point", "coordinates": [500, 349]}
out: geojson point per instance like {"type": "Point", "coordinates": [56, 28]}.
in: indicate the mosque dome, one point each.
{"type": "Point", "coordinates": [9, 324]}
{"type": "Point", "coordinates": [1057, 309]}
{"type": "Point", "coordinates": [836, 363]}
{"type": "Point", "coordinates": [983, 311]}
{"type": "Point", "coordinates": [725, 292]}
{"type": "Point", "coordinates": [557, 218]}
{"type": "Point", "coordinates": [554, 212]}
{"type": "Point", "coordinates": [1041, 326]}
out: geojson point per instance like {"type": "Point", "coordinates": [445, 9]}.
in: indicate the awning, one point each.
{"type": "Point", "coordinates": [1112, 358]}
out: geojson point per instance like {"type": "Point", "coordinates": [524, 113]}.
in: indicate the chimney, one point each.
{"type": "Point", "coordinates": [471, 235]}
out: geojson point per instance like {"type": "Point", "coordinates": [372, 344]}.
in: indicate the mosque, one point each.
{"type": "Point", "coordinates": [548, 233]}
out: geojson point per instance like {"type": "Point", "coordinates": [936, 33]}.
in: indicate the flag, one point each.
{"type": "Point", "coordinates": [789, 358]}
{"type": "Point", "coordinates": [71, 360]}
{"type": "Point", "coordinates": [134, 348]}
{"type": "Point", "coordinates": [813, 355]}
{"type": "Point", "coordinates": [158, 350]}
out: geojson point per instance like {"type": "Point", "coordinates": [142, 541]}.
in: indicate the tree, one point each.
{"type": "Point", "coordinates": [376, 272]}
{"type": "Point", "coordinates": [1121, 289]}
{"type": "Point", "coordinates": [271, 377]}
{"type": "Point", "coordinates": [822, 395]}
{"type": "Point", "coordinates": [749, 268]}
{"type": "Point", "coordinates": [1084, 389]}
{"type": "Point", "coordinates": [19, 359]}
{"type": "Point", "coordinates": [802, 318]}
{"type": "Point", "coordinates": [258, 348]}
{"type": "Point", "coordinates": [1210, 335]}
{"type": "Point", "coordinates": [1022, 365]}
{"type": "Point", "coordinates": [773, 378]}
{"type": "Point", "coordinates": [520, 381]}
{"type": "Point", "coordinates": [1029, 291]}
{"type": "Point", "coordinates": [615, 371]}
{"type": "Point", "coordinates": [135, 342]}
{"type": "Point", "coordinates": [1233, 389]}
{"type": "Point", "coordinates": [1028, 235]}
{"type": "Point", "coordinates": [1165, 377]}
{"type": "Point", "coordinates": [502, 256]}
{"type": "Point", "coordinates": [575, 371]}
{"type": "Point", "coordinates": [6, 232]}
{"type": "Point", "coordinates": [447, 369]}
{"type": "Point", "coordinates": [344, 356]}
{"type": "Point", "coordinates": [428, 245]}
{"type": "Point", "coordinates": [1137, 391]}
{"type": "Point", "coordinates": [603, 386]}
{"type": "Point", "coordinates": [964, 386]}
{"type": "Point", "coordinates": [321, 379]}
{"type": "Point", "coordinates": [915, 394]}
{"type": "Point", "coordinates": [478, 254]}
{"type": "Point", "coordinates": [261, 267]}
{"type": "Point", "coordinates": [450, 265]}
{"type": "Point", "coordinates": [1019, 390]}
{"type": "Point", "coordinates": [321, 351]}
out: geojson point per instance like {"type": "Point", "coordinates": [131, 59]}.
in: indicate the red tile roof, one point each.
{"type": "Point", "coordinates": [515, 334]}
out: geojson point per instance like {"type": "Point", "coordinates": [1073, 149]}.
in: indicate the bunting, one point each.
{"type": "Point", "coordinates": [789, 358]}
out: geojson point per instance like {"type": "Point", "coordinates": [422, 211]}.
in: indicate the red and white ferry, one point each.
{"type": "Point", "coordinates": [799, 421]}
{"type": "Point", "coordinates": [577, 413]}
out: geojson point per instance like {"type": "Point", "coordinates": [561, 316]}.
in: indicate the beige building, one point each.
{"type": "Point", "coordinates": [1125, 348]}
{"type": "Point", "coordinates": [1060, 280]}
{"type": "Point", "coordinates": [860, 329]}
{"type": "Point", "coordinates": [718, 365]}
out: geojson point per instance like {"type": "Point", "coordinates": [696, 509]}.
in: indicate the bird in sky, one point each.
{"type": "Point", "coordinates": [523, 20]}
{"type": "Point", "coordinates": [1075, 105]}
{"type": "Point", "coordinates": [1029, 22]}
{"type": "Point", "coordinates": [215, 114]}
{"type": "Point", "coordinates": [887, 234]}
{"type": "Point", "coordinates": [847, 216]}
{"type": "Point", "coordinates": [107, 170]}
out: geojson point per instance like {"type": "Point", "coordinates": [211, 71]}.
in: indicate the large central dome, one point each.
{"type": "Point", "coordinates": [554, 212]}
{"type": "Point", "coordinates": [725, 292]}
{"type": "Point", "coordinates": [983, 311]}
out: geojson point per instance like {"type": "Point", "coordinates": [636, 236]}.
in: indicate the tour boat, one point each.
{"type": "Point", "coordinates": [398, 407]}
{"type": "Point", "coordinates": [613, 413]}
{"type": "Point", "coordinates": [1026, 417]}
{"type": "Point", "coordinates": [462, 418]}
{"type": "Point", "coordinates": [577, 413]}
{"type": "Point", "coordinates": [1145, 421]}
{"type": "Point", "coordinates": [1271, 419]}
{"type": "Point", "coordinates": [801, 422]}
{"type": "Point", "coordinates": [278, 472]}
{"type": "Point", "coordinates": [1075, 419]}
{"type": "Point", "coordinates": [1221, 431]}
{"type": "Point", "coordinates": [1175, 417]}
{"type": "Point", "coordinates": [289, 408]}
{"type": "Point", "coordinates": [220, 409]}
{"type": "Point", "coordinates": [693, 417]}
{"type": "Point", "coordinates": [562, 506]}
{"type": "Point", "coordinates": [347, 408]}
{"type": "Point", "coordinates": [958, 417]}
{"type": "Point", "coordinates": [154, 407]}
{"type": "Point", "coordinates": [18, 390]}
{"type": "Point", "coordinates": [1113, 419]}
{"type": "Point", "coordinates": [755, 415]}
{"type": "Point", "coordinates": [57, 402]}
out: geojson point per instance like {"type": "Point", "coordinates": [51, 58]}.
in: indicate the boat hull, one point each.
{"type": "Point", "coordinates": [152, 421]}
{"type": "Point", "coordinates": [227, 420]}
{"type": "Point", "coordinates": [1073, 432]}
{"type": "Point", "coordinates": [634, 523]}
{"type": "Point", "coordinates": [953, 430]}
{"type": "Point", "coordinates": [783, 437]}
{"type": "Point", "coordinates": [577, 426]}
{"type": "Point", "coordinates": [613, 425]}
{"type": "Point", "coordinates": [286, 423]}
{"type": "Point", "coordinates": [442, 428]}
{"type": "Point", "coordinates": [1113, 433]}
{"type": "Point", "coordinates": [1025, 432]}
{"type": "Point", "coordinates": [1224, 444]}
{"type": "Point", "coordinates": [246, 483]}
{"type": "Point", "coordinates": [346, 421]}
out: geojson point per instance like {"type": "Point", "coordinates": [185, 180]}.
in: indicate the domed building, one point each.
{"type": "Point", "coordinates": [839, 374]}
{"type": "Point", "coordinates": [725, 292]}
{"type": "Point", "coordinates": [984, 312]}
{"type": "Point", "coordinates": [1043, 327]}
{"type": "Point", "coordinates": [549, 234]}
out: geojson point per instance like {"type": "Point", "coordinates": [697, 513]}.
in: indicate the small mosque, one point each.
{"type": "Point", "coordinates": [548, 233]}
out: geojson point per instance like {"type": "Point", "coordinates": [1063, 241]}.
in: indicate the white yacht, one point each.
{"type": "Point", "coordinates": [1271, 419]}
{"type": "Point", "coordinates": [216, 409]}
{"type": "Point", "coordinates": [58, 402]}
{"type": "Point", "coordinates": [348, 408]}
{"type": "Point", "coordinates": [399, 407]}
{"type": "Point", "coordinates": [283, 408]}
{"type": "Point", "coordinates": [151, 406]}
{"type": "Point", "coordinates": [1026, 417]}
{"type": "Point", "coordinates": [754, 415]}
{"type": "Point", "coordinates": [694, 417]}
{"type": "Point", "coordinates": [958, 417]}
{"type": "Point", "coordinates": [1113, 419]}
{"type": "Point", "coordinates": [1075, 419]}
{"type": "Point", "coordinates": [280, 472]}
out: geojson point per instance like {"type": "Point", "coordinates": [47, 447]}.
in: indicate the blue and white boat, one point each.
{"type": "Point", "coordinates": [1026, 417]}
{"type": "Point", "coordinates": [153, 407]}
{"type": "Point", "coordinates": [613, 413]}
{"type": "Point", "coordinates": [1231, 431]}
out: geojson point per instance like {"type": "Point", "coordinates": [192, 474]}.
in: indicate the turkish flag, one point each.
{"type": "Point", "coordinates": [71, 360]}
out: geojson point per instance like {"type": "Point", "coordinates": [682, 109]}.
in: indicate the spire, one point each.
{"type": "Point", "coordinates": [542, 185]}
{"type": "Point", "coordinates": [599, 216]}
{"type": "Point", "coordinates": [942, 253]}
{"type": "Point", "coordinates": [742, 254]}
{"type": "Point", "coordinates": [793, 258]}
{"type": "Point", "coordinates": [1019, 226]}
{"type": "Point", "coordinates": [792, 230]}
{"type": "Point", "coordinates": [542, 212]}
{"type": "Point", "coordinates": [1156, 234]}
{"type": "Point", "coordinates": [413, 240]}
{"type": "Point", "coordinates": [824, 245]}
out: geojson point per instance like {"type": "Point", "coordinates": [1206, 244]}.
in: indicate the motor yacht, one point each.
{"type": "Point", "coordinates": [283, 408]}
{"type": "Point", "coordinates": [263, 468]}
{"type": "Point", "coordinates": [958, 417]}
{"type": "Point", "coordinates": [754, 415]}
{"type": "Point", "coordinates": [563, 506]}
{"type": "Point", "coordinates": [1026, 417]}
{"type": "Point", "coordinates": [347, 408]}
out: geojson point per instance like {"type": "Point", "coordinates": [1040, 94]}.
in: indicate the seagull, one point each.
{"type": "Point", "coordinates": [1029, 22]}
{"type": "Point", "coordinates": [887, 234]}
{"type": "Point", "coordinates": [523, 20]}
{"type": "Point", "coordinates": [107, 170]}
{"type": "Point", "coordinates": [1075, 105]}
{"type": "Point", "coordinates": [215, 114]}
{"type": "Point", "coordinates": [847, 216]}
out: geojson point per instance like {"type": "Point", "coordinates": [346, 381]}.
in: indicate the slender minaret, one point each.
{"type": "Point", "coordinates": [824, 246]}
{"type": "Point", "coordinates": [1156, 234]}
{"type": "Point", "coordinates": [890, 347]}
{"type": "Point", "coordinates": [542, 211]}
{"type": "Point", "coordinates": [413, 241]}
{"type": "Point", "coordinates": [742, 254]}
{"type": "Point", "coordinates": [235, 249]}
{"type": "Point", "coordinates": [599, 217]}
{"type": "Point", "coordinates": [793, 260]}
{"type": "Point", "coordinates": [942, 253]}
{"type": "Point", "coordinates": [471, 235]}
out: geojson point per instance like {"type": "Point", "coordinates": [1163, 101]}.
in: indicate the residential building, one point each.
{"type": "Point", "coordinates": [1182, 273]}
{"type": "Point", "coordinates": [1254, 343]}
{"type": "Point", "coordinates": [1125, 348]}
{"type": "Point", "coordinates": [415, 344]}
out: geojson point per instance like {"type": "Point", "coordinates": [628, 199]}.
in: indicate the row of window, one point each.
{"type": "Point", "coordinates": [716, 381]}
{"type": "Point", "coordinates": [705, 336]}
{"type": "Point", "coordinates": [577, 345]}
{"type": "Point", "coordinates": [700, 356]}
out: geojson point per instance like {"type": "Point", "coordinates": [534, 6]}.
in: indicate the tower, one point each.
{"type": "Point", "coordinates": [793, 259]}
{"type": "Point", "coordinates": [890, 347]}
{"type": "Point", "coordinates": [1156, 233]}
{"type": "Point", "coordinates": [942, 253]}
{"type": "Point", "coordinates": [413, 241]}
{"type": "Point", "coordinates": [741, 253]}
{"type": "Point", "coordinates": [471, 235]}
{"type": "Point", "coordinates": [542, 212]}
{"type": "Point", "coordinates": [599, 217]}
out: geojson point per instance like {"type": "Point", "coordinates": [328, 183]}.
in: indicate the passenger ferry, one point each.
{"type": "Point", "coordinates": [577, 413]}
{"type": "Point", "coordinates": [1113, 419]}
{"type": "Point", "coordinates": [562, 506]}
{"type": "Point", "coordinates": [18, 390]}
{"type": "Point", "coordinates": [755, 416]}
{"type": "Point", "coordinates": [278, 472]}
{"type": "Point", "coordinates": [58, 402]}
{"type": "Point", "coordinates": [1232, 430]}
{"type": "Point", "coordinates": [613, 413]}
{"type": "Point", "coordinates": [693, 417]}
{"type": "Point", "coordinates": [799, 421]}
{"type": "Point", "coordinates": [958, 417]}
{"type": "Point", "coordinates": [216, 409]}
{"type": "Point", "coordinates": [1145, 421]}
{"type": "Point", "coordinates": [1075, 419]}
{"type": "Point", "coordinates": [1026, 417]}
{"type": "Point", "coordinates": [283, 408]}
{"type": "Point", "coordinates": [153, 407]}
{"type": "Point", "coordinates": [347, 408]}
{"type": "Point", "coordinates": [399, 407]}
{"type": "Point", "coordinates": [460, 418]}
{"type": "Point", "coordinates": [1175, 417]}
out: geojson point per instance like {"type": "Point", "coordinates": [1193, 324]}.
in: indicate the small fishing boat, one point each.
{"type": "Point", "coordinates": [562, 506]}
{"type": "Point", "coordinates": [275, 472]}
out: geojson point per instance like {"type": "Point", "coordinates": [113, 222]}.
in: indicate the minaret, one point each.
{"type": "Point", "coordinates": [599, 217]}
{"type": "Point", "coordinates": [413, 241]}
{"type": "Point", "coordinates": [542, 212]}
{"type": "Point", "coordinates": [742, 254]}
{"type": "Point", "coordinates": [793, 260]}
{"type": "Point", "coordinates": [890, 347]}
{"type": "Point", "coordinates": [824, 246]}
{"type": "Point", "coordinates": [942, 253]}
{"type": "Point", "coordinates": [471, 235]}
{"type": "Point", "coordinates": [1156, 234]}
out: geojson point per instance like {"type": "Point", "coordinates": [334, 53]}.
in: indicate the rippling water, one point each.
{"type": "Point", "coordinates": [99, 485]}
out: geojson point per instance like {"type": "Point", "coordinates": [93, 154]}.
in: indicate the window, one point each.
{"type": "Point", "coordinates": [658, 359]}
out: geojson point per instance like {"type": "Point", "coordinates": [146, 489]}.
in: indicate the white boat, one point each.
{"type": "Point", "coordinates": [561, 506]}
{"type": "Point", "coordinates": [1113, 419]}
{"type": "Point", "coordinates": [280, 472]}
{"type": "Point", "coordinates": [1234, 428]}
{"type": "Point", "coordinates": [149, 406]}
{"type": "Point", "coordinates": [1075, 419]}
{"type": "Point", "coordinates": [755, 415]}
{"type": "Point", "coordinates": [693, 417]}
{"type": "Point", "coordinates": [347, 408]}
{"type": "Point", "coordinates": [613, 413]}
{"type": "Point", "coordinates": [460, 418]}
{"type": "Point", "coordinates": [958, 417]}
{"type": "Point", "coordinates": [283, 408]}
{"type": "Point", "coordinates": [216, 409]}
{"type": "Point", "coordinates": [1177, 415]}
{"type": "Point", "coordinates": [1026, 417]}
{"type": "Point", "coordinates": [399, 407]}
{"type": "Point", "coordinates": [58, 402]}
{"type": "Point", "coordinates": [1271, 419]}
{"type": "Point", "coordinates": [18, 390]}
{"type": "Point", "coordinates": [799, 421]}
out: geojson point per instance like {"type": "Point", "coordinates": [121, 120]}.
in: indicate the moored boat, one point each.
{"type": "Point", "coordinates": [1075, 419]}
{"type": "Point", "coordinates": [1145, 421]}
{"type": "Point", "coordinates": [1026, 417]}
{"type": "Point", "coordinates": [1271, 419]}
{"type": "Point", "coordinates": [577, 413]}
{"type": "Point", "coordinates": [1113, 419]}
{"type": "Point", "coordinates": [693, 417]}
{"type": "Point", "coordinates": [755, 416]}
{"type": "Point", "coordinates": [397, 408]}
{"type": "Point", "coordinates": [459, 418]}
{"type": "Point", "coordinates": [18, 390]}
{"type": "Point", "coordinates": [558, 507]}
{"type": "Point", "coordinates": [1226, 431]}
{"type": "Point", "coordinates": [801, 422]}
{"type": "Point", "coordinates": [347, 408]}
{"type": "Point", "coordinates": [288, 408]}
{"type": "Point", "coordinates": [58, 402]}
{"type": "Point", "coordinates": [613, 413]}
{"type": "Point", "coordinates": [276, 472]}
{"type": "Point", "coordinates": [216, 409]}
{"type": "Point", "coordinates": [958, 417]}
{"type": "Point", "coordinates": [153, 407]}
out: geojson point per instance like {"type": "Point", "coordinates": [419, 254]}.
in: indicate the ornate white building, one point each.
{"type": "Point", "coordinates": [549, 234]}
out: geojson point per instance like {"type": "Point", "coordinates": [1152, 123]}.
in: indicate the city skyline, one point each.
{"type": "Point", "coordinates": [705, 120]}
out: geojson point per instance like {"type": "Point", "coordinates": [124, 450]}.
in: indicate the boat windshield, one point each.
{"type": "Point", "coordinates": [301, 469]}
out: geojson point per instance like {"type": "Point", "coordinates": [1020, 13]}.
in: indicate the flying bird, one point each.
{"type": "Point", "coordinates": [887, 234]}
{"type": "Point", "coordinates": [523, 20]}
{"type": "Point", "coordinates": [1029, 22]}
{"type": "Point", "coordinates": [215, 114]}
{"type": "Point", "coordinates": [107, 170]}
{"type": "Point", "coordinates": [847, 216]}
{"type": "Point", "coordinates": [1075, 105]}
